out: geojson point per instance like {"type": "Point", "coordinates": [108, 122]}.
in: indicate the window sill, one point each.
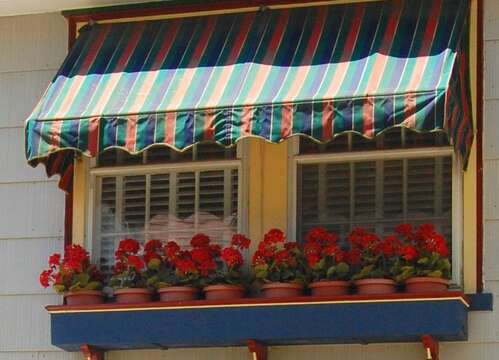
{"type": "Point", "coordinates": [303, 320]}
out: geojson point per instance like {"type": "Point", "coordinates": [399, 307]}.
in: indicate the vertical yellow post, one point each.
{"type": "Point", "coordinates": [268, 188]}
{"type": "Point", "coordinates": [275, 186]}
{"type": "Point", "coordinates": [79, 201]}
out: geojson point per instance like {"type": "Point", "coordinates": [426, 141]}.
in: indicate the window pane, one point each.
{"type": "Point", "coordinates": [376, 195]}
{"type": "Point", "coordinates": [163, 154]}
{"type": "Point", "coordinates": [396, 138]}
{"type": "Point", "coordinates": [166, 206]}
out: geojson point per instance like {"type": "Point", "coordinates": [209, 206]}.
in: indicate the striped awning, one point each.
{"type": "Point", "coordinates": [318, 71]}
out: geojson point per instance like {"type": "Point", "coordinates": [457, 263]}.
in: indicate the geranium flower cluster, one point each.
{"type": "Point", "coordinates": [219, 265]}
{"type": "Point", "coordinates": [166, 264]}
{"type": "Point", "coordinates": [71, 273]}
{"type": "Point", "coordinates": [372, 256]}
{"type": "Point", "coordinates": [325, 257]}
{"type": "Point", "coordinates": [423, 252]}
{"type": "Point", "coordinates": [277, 260]}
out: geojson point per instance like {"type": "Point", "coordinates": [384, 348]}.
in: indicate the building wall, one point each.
{"type": "Point", "coordinates": [31, 214]}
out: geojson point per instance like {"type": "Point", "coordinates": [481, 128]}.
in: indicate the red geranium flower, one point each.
{"type": "Point", "coordinates": [45, 278]}
{"type": "Point", "coordinates": [232, 257]}
{"type": "Point", "coordinates": [130, 246]}
{"type": "Point", "coordinates": [312, 259]}
{"type": "Point", "coordinates": [135, 262]}
{"type": "Point", "coordinates": [258, 258]}
{"type": "Point", "coordinates": [274, 236]}
{"type": "Point", "coordinates": [153, 246]}
{"type": "Point", "coordinates": [200, 240]}
{"type": "Point", "coordinates": [171, 250]}
{"type": "Point", "coordinates": [316, 234]}
{"type": "Point", "coordinates": [55, 259]}
{"type": "Point", "coordinates": [201, 255]}
{"type": "Point", "coordinates": [353, 256]}
{"type": "Point", "coordinates": [409, 253]}
{"type": "Point", "coordinates": [240, 241]}
{"type": "Point", "coordinates": [185, 266]}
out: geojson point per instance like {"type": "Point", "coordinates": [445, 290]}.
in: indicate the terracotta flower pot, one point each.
{"type": "Point", "coordinates": [223, 292]}
{"type": "Point", "coordinates": [426, 285]}
{"type": "Point", "coordinates": [84, 297]}
{"type": "Point", "coordinates": [329, 288]}
{"type": "Point", "coordinates": [178, 293]}
{"type": "Point", "coordinates": [375, 286]}
{"type": "Point", "coordinates": [131, 296]}
{"type": "Point", "coordinates": [280, 289]}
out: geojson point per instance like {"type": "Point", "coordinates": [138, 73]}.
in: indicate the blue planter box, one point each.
{"type": "Point", "coordinates": [304, 320]}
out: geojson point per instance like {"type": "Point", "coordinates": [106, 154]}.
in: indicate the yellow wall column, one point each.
{"type": "Point", "coordinates": [79, 201]}
{"type": "Point", "coordinates": [268, 188]}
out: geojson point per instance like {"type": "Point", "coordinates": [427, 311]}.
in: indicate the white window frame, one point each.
{"type": "Point", "coordinates": [95, 174]}
{"type": "Point", "coordinates": [295, 159]}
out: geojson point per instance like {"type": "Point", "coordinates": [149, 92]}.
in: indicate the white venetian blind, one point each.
{"type": "Point", "coordinates": [170, 204]}
{"type": "Point", "coordinates": [376, 194]}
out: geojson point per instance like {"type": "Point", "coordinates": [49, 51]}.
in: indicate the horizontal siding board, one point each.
{"type": "Point", "coordinates": [25, 324]}
{"type": "Point", "coordinates": [491, 129]}
{"type": "Point", "coordinates": [491, 20]}
{"type": "Point", "coordinates": [491, 70]}
{"type": "Point", "coordinates": [39, 355]}
{"type": "Point", "coordinates": [33, 209]}
{"type": "Point", "coordinates": [491, 190]}
{"type": "Point", "coordinates": [19, 94]}
{"type": "Point", "coordinates": [24, 259]}
{"type": "Point", "coordinates": [37, 42]}
{"type": "Point", "coordinates": [14, 166]}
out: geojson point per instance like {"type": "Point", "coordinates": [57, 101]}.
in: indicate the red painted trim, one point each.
{"type": "Point", "coordinates": [479, 148]}
{"type": "Point", "coordinates": [256, 301]}
{"type": "Point", "coordinates": [71, 32]}
{"type": "Point", "coordinates": [68, 219]}
{"type": "Point", "coordinates": [431, 345]}
{"type": "Point", "coordinates": [258, 349]}
{"type": "Point", "coordinates": [188, 8]}
{"type": "Point", "coordinates": [91, 352]}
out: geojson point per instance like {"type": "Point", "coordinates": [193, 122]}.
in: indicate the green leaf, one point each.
{"type": "Point", "coordinates": [331, 271]}
{"type": "Point", "coordinates": [154, 264]}
{"type": "Point", "coordinates": [342, 268]}
{"type": "Point", "coordinates": [435, 274]}
{"type": "Point", "coordinates": [83, 279]}
{"type": "Point", "coordinates": [60, 289]}
{"type": "Point", "coordinates": [75, 286]}
{"type": "Point", "coordinates": [423, 261]}
{"type": "Point", "coordinates": [94, 285]}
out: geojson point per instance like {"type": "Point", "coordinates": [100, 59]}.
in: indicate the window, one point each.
{"type": "Point", "coordinates": [165, 195]}
{"type": "Point", "coordinates": [401, 176]}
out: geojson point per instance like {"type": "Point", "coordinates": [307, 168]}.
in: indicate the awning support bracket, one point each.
{"type": "Point", "coordinates": [91, 352]}
{"type": "Point", "coordinates": [431, 347]}
{"type": "Point", "coordinates": [257, 349]}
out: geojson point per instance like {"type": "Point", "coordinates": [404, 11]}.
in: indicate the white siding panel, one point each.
{"type": "Point", "coordinates": [32, 42]}
{"type": "Point", "coordinates": [31, 210]}
{"type": "Point", "coordinates": [489, 351]}
{"type": "Point", "coordinates": [491, 250]}
{"type": "Point", "coordinates": [16, 255]}
{"type": "Point", "coordinates": [491, 20]}
{"type": "Point", "coordinates": [491, 129]}
{"type": "Point", "coordinates": [491, 70]}
{"type": "Point", "coordinates": [182, 354]}
{"type": "Point", "coordinates": [19, 94]}
{"type": "Point", "coordinates": [13, 161]}
{"type": "Point", "coordinates": [25, 322]}
{"type": "Point", "coordinates": [491, 189]}
{"type": "Point", "coordinates": [40, 355]}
